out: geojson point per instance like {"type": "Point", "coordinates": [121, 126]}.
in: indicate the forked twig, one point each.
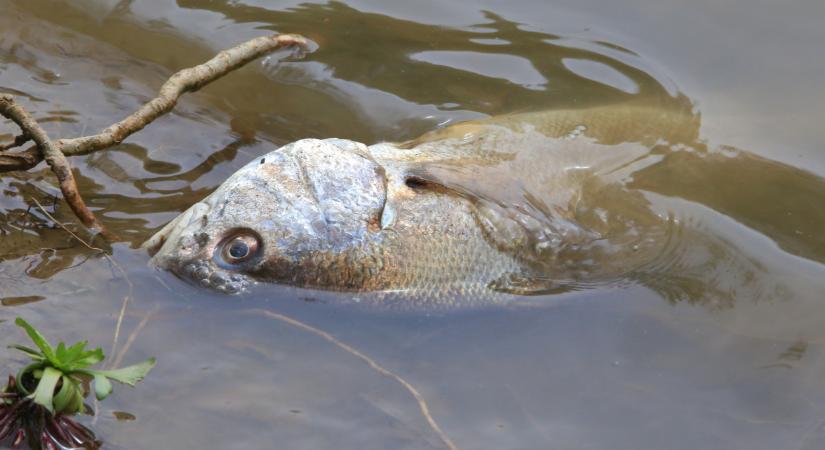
{"type": "Point", "coordinates": [186, 80]}
{"type": "Point", "coordinates": [54, 157]}
{"type": "Point", "coordinates": [422, 404]}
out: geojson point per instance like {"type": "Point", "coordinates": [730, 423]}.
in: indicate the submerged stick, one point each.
{"type": "Point", "coordinates": [54, 157]}
{"type": "Point", "coordinates": [422, 404]}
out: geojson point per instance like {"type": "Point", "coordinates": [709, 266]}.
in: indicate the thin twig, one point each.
{"type": "Point", "coordinates": [186, 80]}
{"type": "Point", "coordinates": [54, 157]}
{"type": "Point", "coordinates": [133, 335]}
{"type": "Point", "coordinates": [111, 260]}
{"type": "Point", "coordinates": [129, 341]}
{"type": "Point", "coordinates": [119, 321]}
{"type": "Point", "coordinates": [60, 224]}
{"type": "Point", "coordinates": [422, 404]}
{"type": "Point", "coordinates": [123, 305]}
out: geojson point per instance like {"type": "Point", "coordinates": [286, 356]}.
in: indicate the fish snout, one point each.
{"type": "Point", "coordinates": [185, 248]}
{"type": "Point", "coordinates": [192, 258]}
{"type": "Point", "coordinates": [274, 215]}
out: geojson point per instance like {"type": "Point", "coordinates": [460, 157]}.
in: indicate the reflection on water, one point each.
{"type": "Point", "coordinates": [610, 367]}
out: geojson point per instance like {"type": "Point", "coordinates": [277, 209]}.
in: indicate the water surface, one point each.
{"type": "Point", "coordinates": [616, 367]}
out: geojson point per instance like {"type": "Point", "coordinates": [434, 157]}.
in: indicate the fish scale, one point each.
{"type": "Point", "coordinates": [476, 213]}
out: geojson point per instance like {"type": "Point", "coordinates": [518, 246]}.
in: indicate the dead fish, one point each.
{"type": "Point", "coordinates": [522, 204]}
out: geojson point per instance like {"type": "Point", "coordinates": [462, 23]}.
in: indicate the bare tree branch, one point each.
{"type": "Point", "coordinates": [56, 160]}
{"type": "Point", "coordinates": [186, 80]}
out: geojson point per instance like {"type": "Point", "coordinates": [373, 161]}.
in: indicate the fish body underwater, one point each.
{"type": "Point", "coordinates": [476, 213]}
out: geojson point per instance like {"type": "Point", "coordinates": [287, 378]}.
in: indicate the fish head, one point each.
{"type": "Point", "coordinates": [308, 197]}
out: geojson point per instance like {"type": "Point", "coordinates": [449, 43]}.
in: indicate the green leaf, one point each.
{"type": "Point", "coordinates": [65, 401]}
{"type": "Point", "coordinates": [76, 406]}
{"type": "Point", "coordinates": [60, 351]}
{"type": "Point", "coordinates": [30, 352]}
{"type": "Point", "coordinates": [74, 352]}
{"type": "Point", "coordinates": [38, 340]}
{"type": "Point", "coordinates": [44, 393]}
{"type": "Point", "coordinates": [103, 387]}
{"type": "Point", "coordinates": [30, 369]}
{"type": "Point", "coordinates": [86, 359]}
{"type": "Point", "coordinates": [127, 375]}
{"type": "Point", "coordinates": [61, 399]}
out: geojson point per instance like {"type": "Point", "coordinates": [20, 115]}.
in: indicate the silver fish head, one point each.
{"type": "Point", "coordinates": [308, 197]}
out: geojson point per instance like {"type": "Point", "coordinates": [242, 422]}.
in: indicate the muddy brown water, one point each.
{"type": "Point", "coordinates": [613, 367]}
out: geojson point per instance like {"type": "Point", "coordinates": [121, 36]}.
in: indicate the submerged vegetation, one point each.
{"type": "Point", "coordinates": [37, 404]}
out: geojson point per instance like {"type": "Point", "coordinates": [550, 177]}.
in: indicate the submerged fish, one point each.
{"type": "Point", "coordinates": [520, 204]}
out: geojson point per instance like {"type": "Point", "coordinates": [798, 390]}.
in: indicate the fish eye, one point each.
{"type": "Point", "coordinates": [239, 247]}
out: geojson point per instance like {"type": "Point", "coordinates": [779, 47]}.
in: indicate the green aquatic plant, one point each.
{"type": "Point", "coordinates": [40, 400]}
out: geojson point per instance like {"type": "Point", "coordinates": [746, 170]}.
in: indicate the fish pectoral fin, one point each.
{"type": "Point", "coordinates": [387, 215]}
{"type": "Point", "coordinates": [396, 192]}
{"type": "Point", "coordinates": [520, 283]}
{"type": "Point", "coordinates": [405, 184]}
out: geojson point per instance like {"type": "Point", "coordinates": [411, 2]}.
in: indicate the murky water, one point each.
{"type": "Point", "coordinates": [618, 368]}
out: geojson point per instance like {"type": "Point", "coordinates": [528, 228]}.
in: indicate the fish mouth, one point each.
{"type": "Point", "coordinates": [208, 276]}
{"type": "Point", "coordinates": [172, 230]}
{"type": "Point", "coordinates": [155, 243]}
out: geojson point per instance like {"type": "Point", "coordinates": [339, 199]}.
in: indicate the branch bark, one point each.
{"type": "Point", "coordinates": [186, 80]}
{"type": "Point", "coordinates": [56, 160]}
